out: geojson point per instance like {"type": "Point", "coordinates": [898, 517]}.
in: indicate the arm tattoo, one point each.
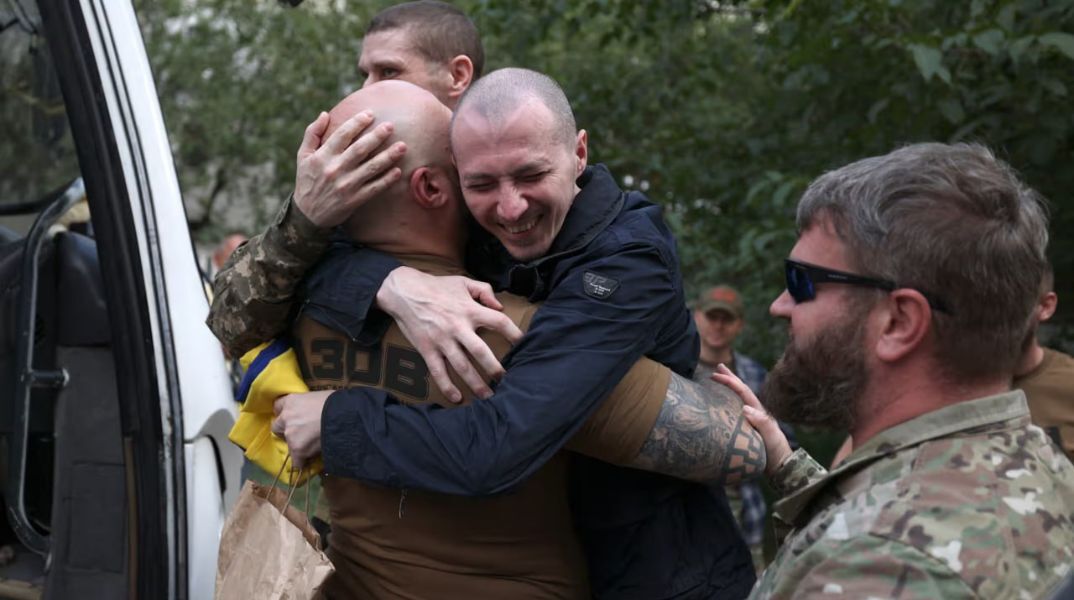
{"type": "Point", "coordinates": [702, 435]}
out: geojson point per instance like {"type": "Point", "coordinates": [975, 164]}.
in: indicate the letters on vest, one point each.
{"type": "Point", "coordinates": [331, 360]}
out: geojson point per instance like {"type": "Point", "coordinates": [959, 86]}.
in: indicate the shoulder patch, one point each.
{"type": "Point", "coordinates": [598, 286]}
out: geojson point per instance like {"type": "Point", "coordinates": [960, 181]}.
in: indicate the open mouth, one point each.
{"type": "Point", "coordinates": [520, 228]}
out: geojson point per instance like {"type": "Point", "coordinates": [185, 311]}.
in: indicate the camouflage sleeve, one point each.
{"type": "Point", "coordinates": [866, 567]}
{"type": "Point", "coordinates": [254, 292]}
{"type": "Point", "coordinates": [795, 472]}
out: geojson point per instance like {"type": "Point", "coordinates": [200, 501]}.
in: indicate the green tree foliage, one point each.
{"type": "Point", "coordinates": [856, 78]}
{"type": "Point", "coordinates": [238, 83]}
{"type": "Point", "coordinates": [721, 111]}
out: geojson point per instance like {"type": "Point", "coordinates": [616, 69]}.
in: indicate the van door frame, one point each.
{"type": "Point", "coordinates": [80, 37]}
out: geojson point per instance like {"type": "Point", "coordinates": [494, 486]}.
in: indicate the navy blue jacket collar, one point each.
{"type": "Point", "coordinates": [594, 208]}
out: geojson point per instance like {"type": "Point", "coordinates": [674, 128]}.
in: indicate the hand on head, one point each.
{"type": "Point", "coordinates": [339, 172]}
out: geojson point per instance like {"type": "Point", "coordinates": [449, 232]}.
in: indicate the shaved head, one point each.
{"type": "Point", "coordinates": [420, 120]}
{"type": "Point", "coordinates": [500, 94]}
{"type": "Point", "coordinates": [422, 212]}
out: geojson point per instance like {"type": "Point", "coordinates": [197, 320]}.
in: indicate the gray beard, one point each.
{"type": "Point", "coordinates": [820, 384]}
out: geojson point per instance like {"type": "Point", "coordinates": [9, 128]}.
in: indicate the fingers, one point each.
{"type": "Point", "coordinates": [480, 352]}
{"type": "Point", "coordinates": [297, 461]}
{"type": "Point", "coordinates": [725, 376]}
{"type": "Point", "coordinates": [371, 178]}
{"type": "Point", "coordinates": [482, 292]}
{"type": "Point", "coordinates": [352, 166]}
{"type": "Point", "coordinates": [313, 136]}
{"type": "Point", "coordinates": [439, 374]}
{"type": "Point", "coordinates": [460, 362]}
{"type": "Point", "coordinates": [361, 153]}
{"type": "Point", "coordinates": [774, 440]}
{"type": "Point", "coordinates": [279, 424]}
{"type": "Point", "coordinates": [485, 318]}
{"type": "Point", "coordinates": [345, 134]}
{"type": "Point", "coordinates": [440, 317]}
{"type": "Point", "coordinates": [758, 418]}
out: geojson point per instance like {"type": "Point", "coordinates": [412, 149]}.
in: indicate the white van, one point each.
{"type": "Point", "coordinates": [116, 402]}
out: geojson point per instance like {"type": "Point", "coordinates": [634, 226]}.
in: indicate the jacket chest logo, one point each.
{"type": "Point", "coordinates": [598, 286]}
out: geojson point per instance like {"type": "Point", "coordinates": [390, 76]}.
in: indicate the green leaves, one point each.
{"type": "Point", "coordinates": [989, 41]}
{"type": "Point", "coordinates": [726, 109]}
{"type": "Point", "coordinates": [952, 110]}
{"type": "Point", "coordinates": [1063, 42]}
{"type": "Point", "coordinates": [929, 62]}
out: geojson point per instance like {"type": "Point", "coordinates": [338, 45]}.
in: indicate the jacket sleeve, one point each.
{"type": "Point", "coordinates": [582, 341]}
{"type": "Point", "coordinates": [254, 292]}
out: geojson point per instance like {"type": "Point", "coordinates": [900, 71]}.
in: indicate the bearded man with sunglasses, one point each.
{"type": "Point", "coordinates": [909, 292]}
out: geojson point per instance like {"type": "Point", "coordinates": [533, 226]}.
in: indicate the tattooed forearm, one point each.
{"type": "Point", "coordinates": [702, 435]}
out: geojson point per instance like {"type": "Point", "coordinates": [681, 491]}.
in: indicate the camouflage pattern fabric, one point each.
{"type": "Point", "coordinates": [969, 501]}
{"type": "Point", "coordinates": [254, 292]}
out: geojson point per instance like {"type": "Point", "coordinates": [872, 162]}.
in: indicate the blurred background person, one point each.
{"type": "Point", "coordinates": [720, 317]}
{"type": "Point", "coordinates": [1047, 376]}
{"type": "Point", "coordinates": [222, 251]}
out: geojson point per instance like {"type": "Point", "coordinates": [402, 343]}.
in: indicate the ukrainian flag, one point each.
{"type": "Point", "coordinates": [271, 371]}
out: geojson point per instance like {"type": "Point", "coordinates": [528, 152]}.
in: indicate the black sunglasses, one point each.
{"type": "Point", "coordinates": [802, 280]}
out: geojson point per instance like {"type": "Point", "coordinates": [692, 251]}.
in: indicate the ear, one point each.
{"type": "Point", "coordinates": [1048, 303]}
{"type": "Point", "coordinates": [429, 188]}
{"type": "Point", "coordinates": [906, 320]}
{"type": "Point", "coordinates": [581, 152]}
{"type": "Point", "coordinates": [461, 70]}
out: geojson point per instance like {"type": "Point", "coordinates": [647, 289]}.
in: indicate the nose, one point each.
{"type": "Point", "coordinates": [512, 205]}
{"type": "Point", "coordinates": [781, 306]}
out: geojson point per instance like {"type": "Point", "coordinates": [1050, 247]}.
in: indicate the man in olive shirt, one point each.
{"type": "Point", "coordinates": [1047, 376]}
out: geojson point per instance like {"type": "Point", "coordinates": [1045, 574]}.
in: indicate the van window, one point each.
{"type": "Point", "coordinates": [37, 155]}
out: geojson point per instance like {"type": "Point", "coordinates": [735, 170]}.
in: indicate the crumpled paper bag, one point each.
{"type": "Point", "coordinates": [269, 550]}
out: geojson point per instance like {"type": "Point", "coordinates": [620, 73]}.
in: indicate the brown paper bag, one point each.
{"type": "Point", "coordinates": [268, 555]}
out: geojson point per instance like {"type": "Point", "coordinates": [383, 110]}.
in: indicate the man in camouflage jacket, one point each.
{"type": "Point", "coordinates": [909, 293]}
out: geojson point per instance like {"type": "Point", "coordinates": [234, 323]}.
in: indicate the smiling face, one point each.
{"type": "Point", "coordinates": [518, 175]}
{"type": "Point", "coordinates": [389, 54]}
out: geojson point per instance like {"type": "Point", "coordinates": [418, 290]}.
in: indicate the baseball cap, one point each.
{"type": "Point", "coordinates": [721, 297]}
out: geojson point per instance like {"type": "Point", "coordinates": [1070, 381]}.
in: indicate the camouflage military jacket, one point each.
{"type": "Point", "coordinates": [254, 292]}
{"type": "Point", "coordinates": [969, 501]}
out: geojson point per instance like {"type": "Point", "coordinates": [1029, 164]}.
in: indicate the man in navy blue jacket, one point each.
{"type": "Point", "coordinates": [604, 265]}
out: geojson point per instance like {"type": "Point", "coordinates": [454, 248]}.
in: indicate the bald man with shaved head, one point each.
{"type": "Point", "coordinates": [389, 542]}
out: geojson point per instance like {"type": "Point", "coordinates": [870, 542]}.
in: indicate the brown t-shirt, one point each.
{"type": "Point", "coordinates": [413, 544]}
{"type": "Point", "coordinates": [1049, 391]}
